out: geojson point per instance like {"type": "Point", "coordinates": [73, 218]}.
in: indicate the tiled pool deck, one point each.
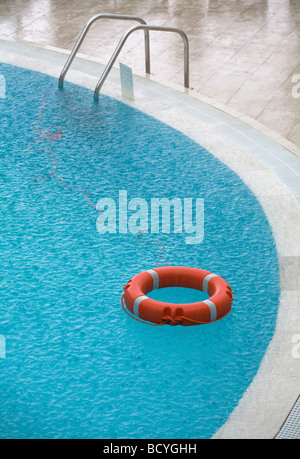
{"type": "Point", "coordinates": [243, 54]}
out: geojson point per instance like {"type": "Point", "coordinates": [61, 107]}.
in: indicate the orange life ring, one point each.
{"type": "Point", "coordinates": [158, 312]}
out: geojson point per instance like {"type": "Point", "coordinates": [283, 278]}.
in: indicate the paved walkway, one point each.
{"type": "Point", "coordinates": [244, 54]}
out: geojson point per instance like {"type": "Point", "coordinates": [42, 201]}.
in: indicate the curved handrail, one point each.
{"type": "Point", "coordinates": [122, 43]}
{"type": "Point", "coordinates": [85, 31]}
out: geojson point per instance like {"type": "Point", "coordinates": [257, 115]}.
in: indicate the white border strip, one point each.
{"type": "Point", "coordinates": [212, 308]}
{"type": "Point", "coordinates": [206, 281]}
{"type": "Point", "coordinates": [155, 278]}
{"type": "Point", "coordinates": [137, 303]}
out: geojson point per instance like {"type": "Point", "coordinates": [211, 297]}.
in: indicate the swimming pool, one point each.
{"type": "Point", "coordinates": [76, 365]}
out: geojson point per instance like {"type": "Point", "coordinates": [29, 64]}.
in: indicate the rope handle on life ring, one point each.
{"type": "Point", "coordinates": [135, 318]}
{"type": "Point", "coordinates": [166, 319]}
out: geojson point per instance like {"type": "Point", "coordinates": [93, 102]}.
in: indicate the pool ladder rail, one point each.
{"type": "Point", "coordinates": [142, 26]}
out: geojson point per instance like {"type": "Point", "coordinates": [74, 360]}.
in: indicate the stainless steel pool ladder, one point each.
{"type": "Point", "coordinates": [122, 42]}
{"type": "Point", "coordinates": [85, 31]}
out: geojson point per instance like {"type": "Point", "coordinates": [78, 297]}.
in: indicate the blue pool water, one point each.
{"type": "Point", "coordinates": [76, 365]}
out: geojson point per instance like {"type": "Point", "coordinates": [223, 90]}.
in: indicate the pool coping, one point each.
{"type": "Point", "coordinates": [268, 164]}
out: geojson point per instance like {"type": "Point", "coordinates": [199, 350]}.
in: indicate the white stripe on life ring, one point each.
{"type": "Point", "coordinates": [206, 281]}
{"type": "Point", "coordinates": [213, 309]}
{"type": "Point", "coordinates": [155, 277]}
{"type": "Point", "coordinates": [136, 304]}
